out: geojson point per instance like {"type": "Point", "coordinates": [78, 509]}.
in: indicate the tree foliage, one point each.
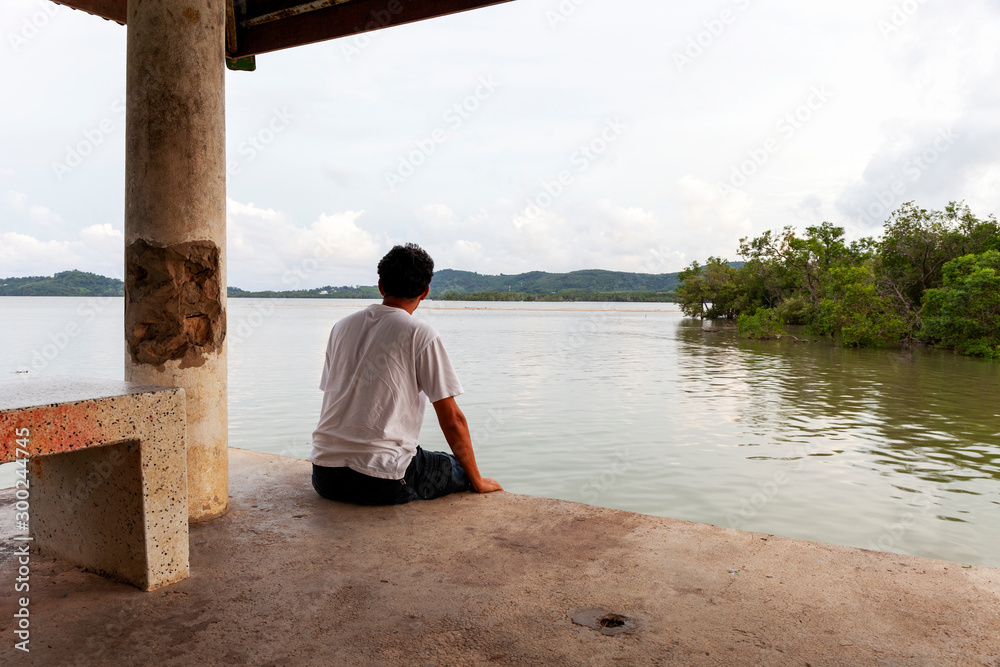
{"type": "Point", "coordinates": [917, 243]}
{"type": "Point", "coordinates": [590, 281]}
{"type": "Point", "coordinates": [763, 324]}
{"type": "Point", "coordinates": [854, 308]}
{"type": "Point", "coordinates": [64, 283]}
{"type": "Point", "coordinates": [931, 276]}
{"type": "Point", "coordinates": [630, 297]}
{"type": "Point", "coordinates": [964, 313]}
{"type": "Point", "coordinates": [709, 291]}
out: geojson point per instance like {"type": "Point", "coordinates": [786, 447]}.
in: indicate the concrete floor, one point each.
{"type": "Point", "coordinates": [287, 578]}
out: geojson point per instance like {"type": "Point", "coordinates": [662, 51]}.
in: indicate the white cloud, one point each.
{"type": "Point", "coordinates": [44, 216]}
{"type": "Point", "coordinates": [943, 142]}
{"type": "Point", "coordinates": [606, 235]}
{"type": "Point", "coordinates": [267, 250]}
{"type": "Point", "coordinates": [97, 249]}
{"type": "Point", "coordinates": [713, 221]}
{"type": "Point", "coordinates": [984, 190]}
{"type": "Point", "coordinates": [647, 203]}
{"type": "Point", "coordinates": [342, 239]}
{"type": "Point", "coordinates": [461, 253]}
{"type": "Point", "coordinates": [103, 238]}
{"type": "Point", "coordinates": [37, 214]}
{"type": "Point", "coordinates": [23, 255]}
{"type": "Point", "coordinates": [544, 232]}
{"type": "Point", "coordinates": [17, 200]}
{"type": "Point", "coordinates": [438, 219]}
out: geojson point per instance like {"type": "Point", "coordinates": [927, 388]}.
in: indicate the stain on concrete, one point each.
{"type": "Point", "coordinates": [412, 584]}
{"type": "Point", "coordinates": [606, 622]}
{"type": "Point", "coordinates": [173, 305]}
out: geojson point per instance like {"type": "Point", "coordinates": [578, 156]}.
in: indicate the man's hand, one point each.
{"type": "Point", "coordinates": [456, 432]}
{"type": "Point", "coordinates": [486, 485]}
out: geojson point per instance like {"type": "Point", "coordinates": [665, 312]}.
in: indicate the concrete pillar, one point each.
{"type": "Point", "coordinates": [175, 224]}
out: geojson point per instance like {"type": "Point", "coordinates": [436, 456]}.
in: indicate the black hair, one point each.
{"type": "Point", "coordinates": [405, 271]}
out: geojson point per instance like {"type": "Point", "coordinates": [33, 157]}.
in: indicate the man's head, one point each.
{"type": "Point", "coordinates": [405, 271]}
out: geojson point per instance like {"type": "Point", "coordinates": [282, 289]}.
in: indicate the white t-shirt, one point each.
{"type": "Point", "coordinates": [382, 364]}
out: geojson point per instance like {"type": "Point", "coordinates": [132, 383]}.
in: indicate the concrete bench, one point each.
{"type": "Point", "coordinates": [107, 476]}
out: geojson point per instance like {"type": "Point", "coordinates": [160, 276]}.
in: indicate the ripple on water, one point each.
{"type": "Point", "coordinates": [643, 411]}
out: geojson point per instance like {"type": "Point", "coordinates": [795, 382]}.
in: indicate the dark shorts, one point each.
{"type": "Point", "coordinates": [429, 475]}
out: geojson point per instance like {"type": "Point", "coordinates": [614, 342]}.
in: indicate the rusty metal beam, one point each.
{"type": "Point", "coordinates": [265, 12]}
{"type": "Point", "coordinates": [344, 19]}
{"type": "Point", "coordinates": [113, 10]}
{"type": "Point", "coordinates": [262, 26]}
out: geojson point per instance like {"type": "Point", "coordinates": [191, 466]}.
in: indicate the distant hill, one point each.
{"type": "Point", "coordinates": [64, 283]}
{"type": "Point", "coordinates": [591, 281]}
{"type": "Point", "coordinates": [327, 292]}
{"type": "Point", "coordinates": [446, 282]}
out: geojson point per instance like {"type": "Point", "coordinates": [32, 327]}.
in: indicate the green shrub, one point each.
{"type": "Point", "coordinates": [795, 310]}
{"type": "Point", "coordinates": [964, 313]}
{"type": "Point", "coordinates": [763, 324]}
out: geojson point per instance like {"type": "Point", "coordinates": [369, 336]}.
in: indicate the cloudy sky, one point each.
{"type": "Point", "coordinates": [633, 135]}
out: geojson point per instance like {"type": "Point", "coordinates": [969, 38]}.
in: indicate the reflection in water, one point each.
{"type": "Point", "coordinates": [920, 414]}
{"type": "Point", "coordinates": [920, 427]}
{"type": "Point", "coordinates": [639, 409]}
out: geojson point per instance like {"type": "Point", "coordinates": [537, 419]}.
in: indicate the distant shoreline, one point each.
{"type": "Point", "coordinates": [576, 299]}
{"type": "Point", "coordinates": [449, 285]}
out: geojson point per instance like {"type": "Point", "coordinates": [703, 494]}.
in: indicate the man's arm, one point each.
{"type": "Point", "coordinates": [456, 432]}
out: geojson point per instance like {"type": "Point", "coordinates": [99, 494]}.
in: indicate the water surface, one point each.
{"type": "Point", "coordinates": [634, 407]}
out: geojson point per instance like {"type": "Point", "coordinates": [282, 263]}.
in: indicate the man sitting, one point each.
{"type": "Point", "coordinates": [382, 364]}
